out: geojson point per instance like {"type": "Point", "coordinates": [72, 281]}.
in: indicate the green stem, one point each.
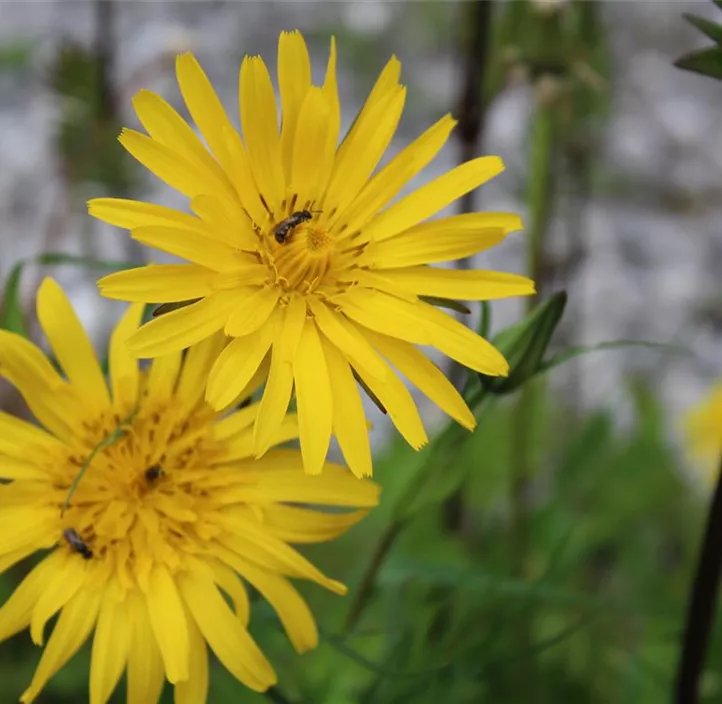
{"type": "Point", "coordinates": [541, 193]}
{"type": "Point", "coordinates": [450, 438]}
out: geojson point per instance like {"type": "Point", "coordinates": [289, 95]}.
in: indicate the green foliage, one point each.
{"type": "Point", "coordinates": [708, 61]}
{"type": "Point", "coordinates": [86, 136]}
{"type": "Point", "coordinates": [11, 313]}
{"type": "Point", "coordinates": [15, 55]}
{"type": "Point", "coordinates": [525, 344]}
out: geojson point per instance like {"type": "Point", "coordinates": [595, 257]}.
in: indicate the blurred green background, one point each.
{"type": "Point", "coordinates": [546, 557]}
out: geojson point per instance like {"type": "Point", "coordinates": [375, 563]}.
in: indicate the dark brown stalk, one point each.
{"type": "Point", "coordinates": [475, 18]}
{"type": "Point", "coordinates": [702, 604]}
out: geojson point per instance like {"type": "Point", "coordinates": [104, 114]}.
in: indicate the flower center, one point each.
{"type": "Point", "coordinates": [141, 500]}
{"type": "Point", "coordinates": [298, 251]}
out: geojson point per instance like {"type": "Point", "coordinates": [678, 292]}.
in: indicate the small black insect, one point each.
{"type": "Point", "coordinates": [154, 473]}
{"type": "Point", "coordinates": [286, 227]}
{"type": "Point", "coordinates": [77, 543]}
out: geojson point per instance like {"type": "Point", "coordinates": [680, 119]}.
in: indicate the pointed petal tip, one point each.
{"type": "Point", "coordinates": [336, 587]}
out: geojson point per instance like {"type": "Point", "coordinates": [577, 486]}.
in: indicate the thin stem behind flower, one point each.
{"type": "Point", "coordinates": [702, 603]}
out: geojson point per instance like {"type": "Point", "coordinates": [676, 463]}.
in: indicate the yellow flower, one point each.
{"type": "Point", "coordinates": [171, 518]}
{"type": "Point", "coordinates": [296, 253]}
{"type": "Point", "coordinates": [703, 425]}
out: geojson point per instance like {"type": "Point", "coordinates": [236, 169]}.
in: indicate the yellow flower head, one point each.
{"type": "Point", "coordinates": [703, 426]}
{"type": "Point", "coordinates": [171, 518]}
{"type": "Point", "coordinates": [296, 253]}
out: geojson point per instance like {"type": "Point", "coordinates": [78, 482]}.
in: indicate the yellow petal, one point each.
{"type": "Point", "coordinates": [330, 91]}
{"type": "Point", "coordinates": [257, 380]}
{"type": "Point", "coordinates": [387, 183]}
{"type": "Point", "coordinates": [235, 422]}
{"type": "Point", "coordinates": [349, 418]}
{"type": "Point", "coordinates": [312, 153]}
{"type": "Point", "coordinates": [195, 689]}
{"type": "Point", "coordinates": [423, 324]}
{"type": "Point", "coordinates": [32, 522]}
{"type": "Point", "coordinates": [232, 585]}
{"type": "Point", "coordinates": [167, 618]}
{"type": "Point", "coordinates": [277, 393]}
{"type": "Point", "coordinates": [204, 106]}
{"type": "Point", "coordinates": [209, 253]}
{"type": "Point", "coordinates": [242, 446]}
{"type": "Point", "coordinates": [124, 373]}
{"type": "Point", "coordinates": [16, 612]}
{"type": "Point", "coordinates": [51, 399]}
{"type": "Point", "coordinates": [130, 214]}
{"type": "Point", "coordinates": [218, 131]}
{"type": "Point", "coordinates": [259, 118]}
{"type": "Point", "coordinates": [163, 162]}
{"type": "Point", "coordinates": [446, 239]}
{"type": "Point", "coordinates": [425, 375]}
{"type": "Point", "coordinates": [344, 335]}
{"type": "Point", "coordinates": [702, 427]}
{"type": "Point", "coordinates": [294, 81]}
{"type": "Point", "coordinates": [183, 327]}
{"type": "Point", "coordinates": [303, 525]}
{"type": "Point", "coordinates": [11, 468]}
{"type": "Point", "coordinates": [252, 311]}
{"type": "Point", "coordinates": [161, 283]}
{"type": "Point", "coordinates": [71, 345]}
{"type": "Point", "coordinates": [168, 128]}
{"type": "Point", "coordinates": [20, 439]}
{"type": "Point", "coordinates": [235, 366]}
{"type": "Point", "coordinates": [433, 197]}
{"type": "Point", "coordinates": [145, 665]}
{"type": "Point", "coordinates": [465, 285]}
{"type": "Point", "coordinates": [292, 610]}
{"type": "Point", "coordinates": [313, 398]}
{"type": "Point", "coordinates": [400, 406]}
{"type": "Point", "coordinates": [231, 643]}
{"type": "Point", "coordinates": [227, 220]}
{"type": "Point", "coordinates": [57, 594]}
{"type": "Point", "coordinates": [10, 559]}
{"type": "Point", "coordinates": [278, 478]}
{"type": "Point", "coordinates": [162, 378]}
{"type": "Point", "coordinates": [462, 344]}
{"type": "Point", "coordinates": [386, 82]}
{"type": "Point", "coordinates": [252, 541]}
{"type": "Point", "coordinates": [72, 629]}
{"type": "Point", "coordinates": [363, 149]}
{"type": "Point", "coordinates": [197, 365]}
{"type": "Point", "coordinates": [387, 314]}
{"type": "Point", "coordinates": [111, 643]}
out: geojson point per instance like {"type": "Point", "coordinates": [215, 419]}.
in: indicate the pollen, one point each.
{"type": "Point", "coordinates": [317, 240]}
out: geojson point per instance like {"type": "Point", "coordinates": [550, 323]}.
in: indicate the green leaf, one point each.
{"type": "Point", "coordinates": [52, 258]}
{"type": "Point", "coordinates": [446, 465]}
{"type": "Point", "coordinates": [572, 352]}
{"type": "Point", "coordinates": [485, 322]}
{"type": "Point", "coordinates": [707, 62]}
{"type": "Point", "coordinates": [711, 29]}
{"type": "Point", "coordinates": [11, 317]}
{"type": "Point", "coordinates": [16, 55]}
{"type": "Point", "coordinates": [338, 643]}
{"type": "Point", "coordinates": [493, 585]}
{"type": "Point", "coordinates": [525, 344]}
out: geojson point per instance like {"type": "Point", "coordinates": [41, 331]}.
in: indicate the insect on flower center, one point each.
{"type": "Point", "coordinates": [300, 252]}
{"type": "Point", "coordinates": [141, 500]}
